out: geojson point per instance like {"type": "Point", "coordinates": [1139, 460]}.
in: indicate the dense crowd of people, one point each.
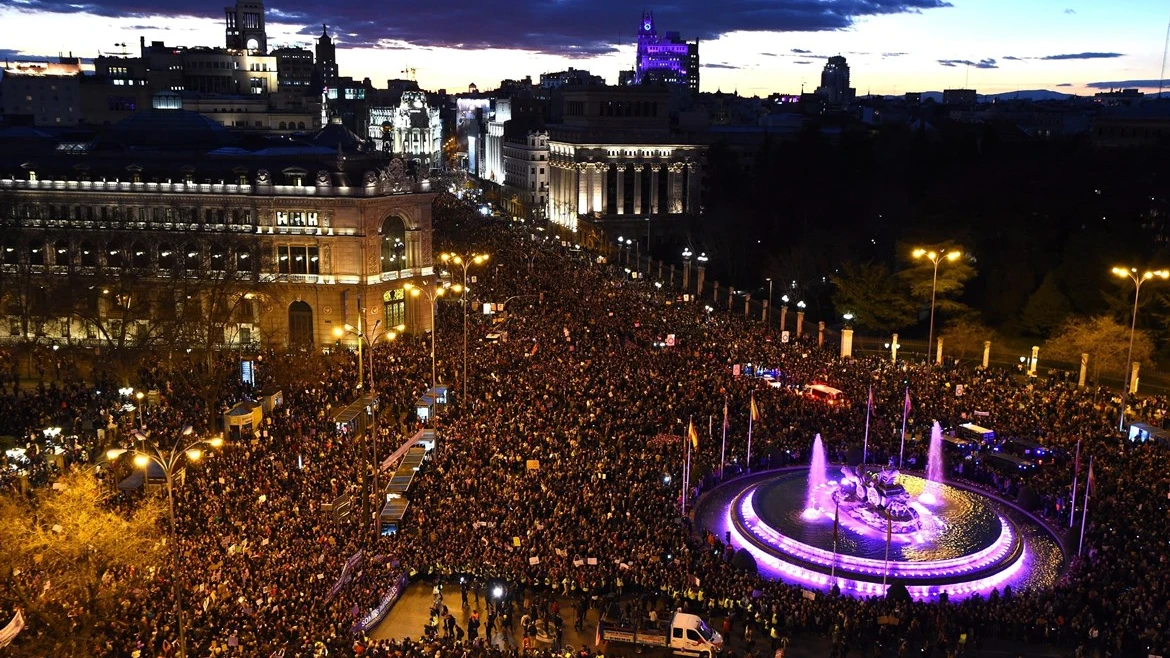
{"type": "Point", "coordinates": [561, 452]}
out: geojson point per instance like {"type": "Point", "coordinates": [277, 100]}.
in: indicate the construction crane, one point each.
{"type": "Point", "coordinates": [410, 73]}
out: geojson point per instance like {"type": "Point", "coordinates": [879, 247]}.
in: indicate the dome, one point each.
{"type": "Point", "coordinates": [165, 130]}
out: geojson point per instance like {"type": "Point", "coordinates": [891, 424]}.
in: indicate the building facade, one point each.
{"type": "Point", "coordinates": [42, 93]}
{"type": "Point", "coordinates": [199, 241]}
{"type": "Point", "coordinates": [665, 59]}
{"type": "Point", "coordinates": [526, 171]}
{"type": "Point", "coordinates": [413, 130]}
{"type": "Point", "coordinates": [835, 89]}
{"type": "Point", "coordinates": [614, 163]}
{"type": "Point", "coordinates": [244, 27]}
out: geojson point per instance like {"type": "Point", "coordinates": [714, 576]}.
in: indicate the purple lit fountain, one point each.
{"type": "Point", "coordinates": [934, 467]}
{"type": "Point", "coordinates": [865, 527]}
{"type": "Point", "coordinates": [816, 479]}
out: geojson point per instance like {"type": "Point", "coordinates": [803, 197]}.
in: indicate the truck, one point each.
{"type": "Point", "coordinates": [683, 634]}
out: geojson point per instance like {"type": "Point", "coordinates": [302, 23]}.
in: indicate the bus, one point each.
{"type": "Point", "coordinates": [1007, 464]}
{"type": "Point", "coordinates": [965, 449]}
{"type": "Point", "coordinates": [1026, 449]}
{"type": "Point", "coordinates": [976, 433]}
{"type": "Point", "coordinates": [825, 393]}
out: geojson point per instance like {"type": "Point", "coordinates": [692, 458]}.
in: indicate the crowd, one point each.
{"type": "Point", "coordinates": [584, 389]}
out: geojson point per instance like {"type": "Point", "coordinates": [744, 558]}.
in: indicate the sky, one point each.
{"type": "Point", "coordinates": [755, 47]}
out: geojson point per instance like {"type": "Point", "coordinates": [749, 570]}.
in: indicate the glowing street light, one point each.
{"type": "Point", "coordinates": [936, 258]}
{"type": "Point", "coordinates": [1131, 273]}
{"type": "Point", "coordinates": [433, 298]}
{"type": "Point", "coordinates": [465, 262]}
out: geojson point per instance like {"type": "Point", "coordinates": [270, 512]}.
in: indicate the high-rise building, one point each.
{"type": "Point", "coordinates": [244, 26]}
{"type": "Point", "coordinates": [294, 69]}
{"type": "Point", "coordinates": [326, 67]}
{"type": "Point", "coordinates": [835, 89]}
{"type": "Point", "coordinates": [669, 58]}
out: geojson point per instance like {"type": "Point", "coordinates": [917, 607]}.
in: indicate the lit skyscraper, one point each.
{"type": "Point", "coordinates": [668, 58]}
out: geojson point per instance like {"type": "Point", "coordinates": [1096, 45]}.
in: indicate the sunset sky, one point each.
{"type": "Point", "coordinates": [753, 46]}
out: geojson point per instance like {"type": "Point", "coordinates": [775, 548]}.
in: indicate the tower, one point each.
{"type": "Point", "coordinates": [244, 26]}
{"type": "Point", "coordinates": [835, 88]}
{"type": "Point", "coordinates": [327, 58]}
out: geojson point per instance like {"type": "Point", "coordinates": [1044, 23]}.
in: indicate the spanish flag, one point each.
{"type": "Point", "coordinates": [755, 409]}
{"type": "Point", "coordinates": [693, 435]}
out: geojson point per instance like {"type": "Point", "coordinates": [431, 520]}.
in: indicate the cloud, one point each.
{"type": "Point", "coordinates": [1140, 84]}
{"type": "Point", "coordinates": [894, 54]}
{"type": "Point", "coordinates": [986, 63]}
{"type": "Point", "coordinates": [1082, 56]}
{"type": "Point", "coordinates": [562, 28]}
{"type": "Point", "coordinates": [721, 65]}
{"type": "Point", "coordinates": [1070, 12]}
{"type": "Point", "coordinates": [802, 62]}
{"type": "Point", "coordinates": [1013, 58]}
{"type": "Point", "coordinates": [801, 51]}
{"type": "Point", "coordinates": [769, 54]}
{"type": "Point", "coordinates": [1065, 84]}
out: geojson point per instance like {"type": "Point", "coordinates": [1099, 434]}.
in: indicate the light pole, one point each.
{"type": "Point", "coordinates": [465, 262]}
{"type": "Point", "coordinates": [934, 257]}
{"type": "Point", "coordinates": [370, 340]}
{"type": "Point", "coordinates": [686, 254]}
{"type": "Point", "coordinates": [1132, 274]}
{"type": "Point", "coordinates": [768, 316]}
{"type": "Point", "coordinates": [168, 461]}
{"type": "Point", "coordinates": [433, 298]}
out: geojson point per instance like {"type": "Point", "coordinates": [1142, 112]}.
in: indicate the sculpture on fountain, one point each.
{"type": "Point", "coordinates": [876, 499]}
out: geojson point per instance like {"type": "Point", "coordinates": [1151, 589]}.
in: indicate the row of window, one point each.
{"type": "Point", "coordinates": [118, 254]}
{"type": "Point", "coordinates": [158, 214]}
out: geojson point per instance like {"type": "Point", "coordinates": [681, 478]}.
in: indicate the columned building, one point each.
{"type": "Point", "coordinates": [616, 168]}
{"type": "Point", "coordinates": [413, 130]}
{"type": "Point", "coordinates": [169, 231]}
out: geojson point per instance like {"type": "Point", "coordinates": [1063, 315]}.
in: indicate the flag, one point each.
{"type": "Point", "coordinates": [693, 435]}
{"type": "Point", "coordinates": [906, 406]}
{"type": "Point", "coordinates": [836, 524]}
{"type": "Point", "coordinates": [1077, 460]}
{"type": "Point", "coordinates": [726, 422]}
{"type": "Point", "coordinates": [869, 406]}
{"type": "Point", "coordinates": [889, 531]}
{"type": "Point", "coordinates": [1090, 484]}
{"type": "Point", "coordinates": [755, 410]}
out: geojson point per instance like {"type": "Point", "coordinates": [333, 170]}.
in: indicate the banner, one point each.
{"type": "Point", "coordinates": [14, 627]}
{"type": "Point", "coordinates": [376, 614]}
{"type": "Point", "coordinates": [345, 576]}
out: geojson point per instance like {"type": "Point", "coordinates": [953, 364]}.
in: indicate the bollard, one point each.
{"type": "Point", "coordinates": [986, 353]}
{"type": "Point", "coordinates": [938, 355]}
{"type": "Point", "coordinates": [1084, 369]}
{"type": "Point", "coordinates": [799, 323]}
{"type": "Point", "coordinates": [747, 304]}
{"type": "Point", "coordinates": [894, 349]}
{"type": "Point", "coordinates": [846, 343]}
{"type": "Point", "coordinates": [1034, 361]}
{"type": "Point", "coordinates": [821, 333]}
{"type": "Point", "coordinates": [1133, 379]}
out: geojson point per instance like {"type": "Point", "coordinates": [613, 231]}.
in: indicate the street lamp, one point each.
{"type": "Point", "coordinates": [686, 254]}
{"type": "Point", "coordinates": [370, 340]}
{"type": "Point", "coordinates": [169, 461]}
{"type": "Point", "coordinates": [768, 316]}
{"type": "Point", "coordinates": [465, 262]}
{"type": "Point", "coordinates": [433, 298]}
{"type": "Point", "coordinates": [1132, 274]}
{"type": "Point", "coordinates": [934, 257]}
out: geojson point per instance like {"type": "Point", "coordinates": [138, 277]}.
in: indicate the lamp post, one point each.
{"type": "Point", "coordinates": [935, 258]}
{"type": "Point", "coordinates": [169, 461]}
{"type": "Point", "coordinates": [465, 262]}
{"type": "Point", "coordinates": [768, 316]}
{"type": "Point", "coordinates": [433, 298]}
{"type": "Point", "coordinates": [1132, 274]}
{"type": "Point", "coordinates": [686, 255]}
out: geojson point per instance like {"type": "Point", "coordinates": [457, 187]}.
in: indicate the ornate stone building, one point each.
{"type": "Point", "coordinates": [617, 167]}
{"type": "Point", "coordinates": [171, 231]}
{"type": "Point", "coordinates": [412, 131]}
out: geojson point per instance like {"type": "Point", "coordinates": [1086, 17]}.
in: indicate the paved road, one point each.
{"type": "Point", "coordinates": [411, 614]}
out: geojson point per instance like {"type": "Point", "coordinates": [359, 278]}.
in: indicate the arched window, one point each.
{"type": "Point", "coordinates": [11, 254]}
{"type": "Point", "coordinates": [88, 254]}
{"type": "Point", "coordinates": [283, 125]}
{"type": "Point", "coordinates": [114, 255]}
{"type": "Point", "coordinates": [36, 253]}
{"type": "Point", "coordinates": [244, 260]}
{"type": "Point", "coordinates": [218, 258]}
{"type": "Point", "coordinates": [61, 253]}
{"type": "Point", "coordinates": [191, 258]}
{"type": "Point", "coordinates": [166, 259]}
{"type": "Point", "coordinates": [393, 244]}
{"type": "Point", "coordinates": [139, 256]}
{"type": "Point", "coordinates": [300, 125]}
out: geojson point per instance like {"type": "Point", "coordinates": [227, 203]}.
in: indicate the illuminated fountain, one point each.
{"type": "Point", "coordinates": [963, 542]}
{"type": "Point", "coordinates": [816, 479]}
{"type": "Point", "coordinates": [935, 469]}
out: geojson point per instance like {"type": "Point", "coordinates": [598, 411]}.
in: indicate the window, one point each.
{"type": "Point", "coordinates": [393, 245]}
{"type": "Point", "coordinates": [295, 259]}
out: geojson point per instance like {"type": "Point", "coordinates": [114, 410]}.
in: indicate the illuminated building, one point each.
{"type": "Point", "coordinates": [42, 93]}
{"type": "Point", "coordinates": [244, 27]}
{"type": "Point", "coordinates": [667, 59]}
{"type": "Point", "coordinates": [412, 130]}
{"type": "Point", "coordinates": [835, 89]}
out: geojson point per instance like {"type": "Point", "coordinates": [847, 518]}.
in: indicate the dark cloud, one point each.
{"type": "Point", "coordinates": [802, 62]}
{"type": "Point", "coordinates": [721, 65]}
{"type": "Point", "coordinates": [986, 63]}
{"type": "Point", "coordinates": [801, 51]}
{"type": "Point", "coordinates": [1140, 84]}
{"type": "Point", "coordinates": [769, 54]}
{"type": "Point", "coordinates": [1065, 84]}
{"type": "Point", "coordinates": [563, 28]}
{"type": "Point", "coordinates": [1013, 58]}
{"type": "Point", "coordinates": [1083, 56]}
{"type": "Point", "coordinates": [894, 54]}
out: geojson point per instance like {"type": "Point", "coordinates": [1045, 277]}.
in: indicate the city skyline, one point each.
{"type": "Point", "coordinates": [893, 46]}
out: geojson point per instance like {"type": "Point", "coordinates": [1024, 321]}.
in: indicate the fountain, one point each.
{"type": "Point", "coordinates": [816, 478]}
{"type": "Point", "coordinates": [935, 469]}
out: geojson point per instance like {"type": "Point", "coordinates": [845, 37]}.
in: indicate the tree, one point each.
{"type": "Point", "coordinates": [1105, 340]}
{"type": "Point", "coordinates": [1046, 309]}
{"type": "Point", "coordinates": [964, 338]}
{"type": "Point", "coordinates": [952, 278]}
{"type": "Point", "coordinates": [69, 559]}
{"type": "Point", "coordinates": [874, 296]}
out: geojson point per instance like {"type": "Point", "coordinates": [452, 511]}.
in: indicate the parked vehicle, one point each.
{"type": "Point", "coordinates": [683, 634]}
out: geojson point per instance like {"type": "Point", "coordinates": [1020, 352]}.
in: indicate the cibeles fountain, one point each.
{"type": "Point", "coordinates": [865, 527]}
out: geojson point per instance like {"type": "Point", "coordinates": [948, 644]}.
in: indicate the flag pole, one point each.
{"type": "Point", "coordinates": [686, 453]}
{"type": "Point", "coordinates": [1072, 501]}
{"type": "Point", "coordinates": [749, 445]}
{"type": "Point", "coordinates": [889, 538]}
{"type": "Point", "coordinates": [1085, 511]}
{"type": "Point", "coordinates": [723, 448]}
{"type": "Point", "coordinates": [865, 446]}
{"type": "Point", "coordinates": [905, 412]}
{"type": "Point", "coordinates": [836, 530]}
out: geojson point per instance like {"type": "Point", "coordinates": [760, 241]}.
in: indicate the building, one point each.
{"type": "Point", "coordinates": [570, 78]}
{"type": "Point", "coordinates": [616, 166]}
{"type": "Point", "coordinates": [526, 168]}
{"type": "Point", "coordinates": [667, 59]}
{"type": "Point", "coordinates": [294, 70]}
{"type": "Point", "coordinates": [326, 66]}
{"type": "Point", "coordinates": [493, 158]}
{"type": "Point", "coordinates": [412, 131]}
{"type": "Point", "coordinates": [835, 89]}
{"type": "Point", "coordinates": [960, 97]}
{"type": "Point", "coordinates": [244, 27]}
{"type": "Point", "coordinates": [169, 230]}
{"type": "Point", "coordinates": [42, 93]}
